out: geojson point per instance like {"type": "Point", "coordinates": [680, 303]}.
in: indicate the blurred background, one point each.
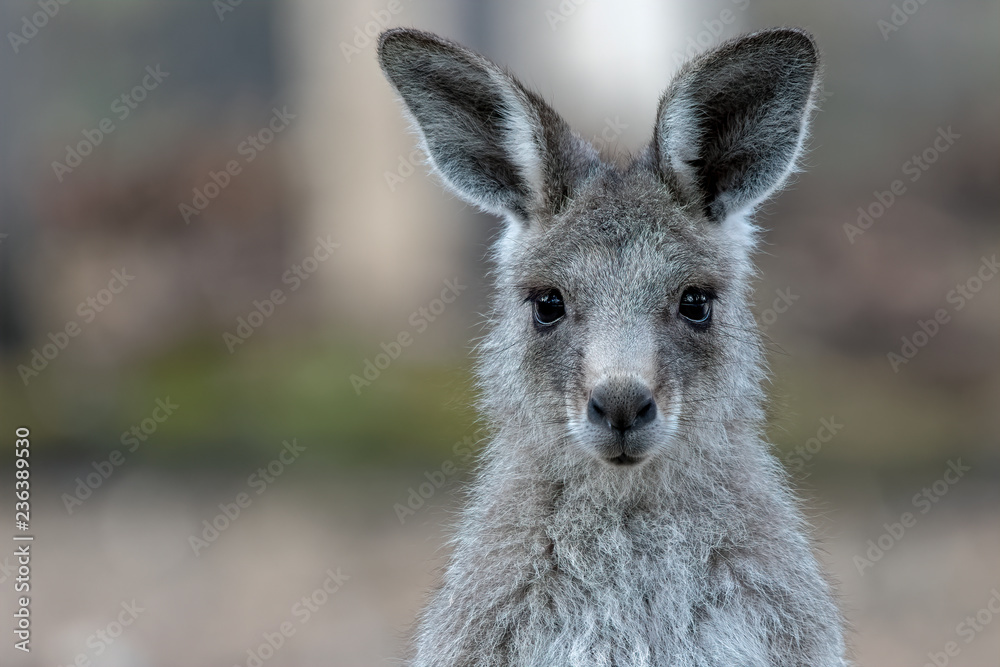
{"type": "Point", "coordinates": [213, 217]}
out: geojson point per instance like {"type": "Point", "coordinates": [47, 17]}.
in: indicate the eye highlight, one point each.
{"type": "Point", "coordinates": [548, 307]}
{"type": "Point", "coordinates": [696, 306]}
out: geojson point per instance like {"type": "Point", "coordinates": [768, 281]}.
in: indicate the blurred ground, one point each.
{"type": "Point", "coordinates": [130, 541]}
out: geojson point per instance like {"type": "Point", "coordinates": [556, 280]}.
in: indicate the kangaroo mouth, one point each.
{"type": "Point", "coordinates": [624, 460]}
{"type": "Point", "coordinates": [624, 451]}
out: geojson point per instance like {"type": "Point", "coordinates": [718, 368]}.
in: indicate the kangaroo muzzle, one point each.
{"type": "Point", "coordinates": [621, 405]}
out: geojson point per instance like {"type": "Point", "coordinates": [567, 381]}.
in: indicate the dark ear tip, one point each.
{"type": "Point", "coordinates": [793, 42]}
{"type": "Point", "coordinates": [394, 42]}
{"type": "Point", "coordinates": [391, 38]}
{"type": "Point", "coordinates": [802, 40]}
{"type": "Point", "coordinates": [389, 34]}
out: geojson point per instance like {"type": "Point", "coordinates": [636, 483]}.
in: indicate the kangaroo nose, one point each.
{"type": "Point", "coordinates": [621, 406]}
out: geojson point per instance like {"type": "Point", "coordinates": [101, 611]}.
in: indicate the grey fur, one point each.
{"type": "Point", "coordinates": [695, 555]}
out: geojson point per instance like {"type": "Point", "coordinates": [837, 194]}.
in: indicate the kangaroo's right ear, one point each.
{"type": "Point", "coordinates": [495, 144]}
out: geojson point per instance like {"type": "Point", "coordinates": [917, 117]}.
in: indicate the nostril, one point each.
{"type": "Point", "coordinates": [595, 411]}
{"type": "Point", "coordinates": [646, 413]}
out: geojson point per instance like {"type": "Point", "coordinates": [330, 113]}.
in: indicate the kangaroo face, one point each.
{"type": "Point", "coordinates": [627, 306]}
{"type": "Point", "coordinates": [621, 322]}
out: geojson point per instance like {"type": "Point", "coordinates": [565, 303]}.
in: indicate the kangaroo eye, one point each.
{"type": "Point", "coordinates": [549, 307]}
{"type": "Point", "coordinates": [695, 305]}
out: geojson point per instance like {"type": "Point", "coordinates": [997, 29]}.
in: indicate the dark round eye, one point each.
{"type": "Point", "coordinates": [549, 307]}
{"type": "Point", "coordinates": [695, 305]}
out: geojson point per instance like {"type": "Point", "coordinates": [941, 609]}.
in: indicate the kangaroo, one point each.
{"type": "Point", "coordinates": [627, 511]}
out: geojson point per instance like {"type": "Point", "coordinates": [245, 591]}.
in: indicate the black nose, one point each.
{"type": "Point", "coordinates": [621, 406]}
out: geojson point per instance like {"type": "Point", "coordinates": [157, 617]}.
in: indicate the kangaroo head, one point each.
{"type": "Point", "coordinates": [622, 321]}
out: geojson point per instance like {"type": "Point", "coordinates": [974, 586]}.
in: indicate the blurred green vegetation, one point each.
{"type": "Point", "coordinates": [885, 423]}
{"type": "Point", "coordinates": [233, 407]}
{"type": "Point", "coordinates": [237, 407]}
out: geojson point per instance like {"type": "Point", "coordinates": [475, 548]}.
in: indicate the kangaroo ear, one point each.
{"type": "Point", "coordinates": [496, 145]}
{"type": "Point", "coordinates": [732, 124]}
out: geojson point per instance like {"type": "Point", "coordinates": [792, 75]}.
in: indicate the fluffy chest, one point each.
{"type": "Point", "coordinates": [618, 566]}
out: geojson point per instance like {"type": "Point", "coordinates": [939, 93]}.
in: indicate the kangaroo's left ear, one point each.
{"type": "Point", "coordinates": [732, 124]}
